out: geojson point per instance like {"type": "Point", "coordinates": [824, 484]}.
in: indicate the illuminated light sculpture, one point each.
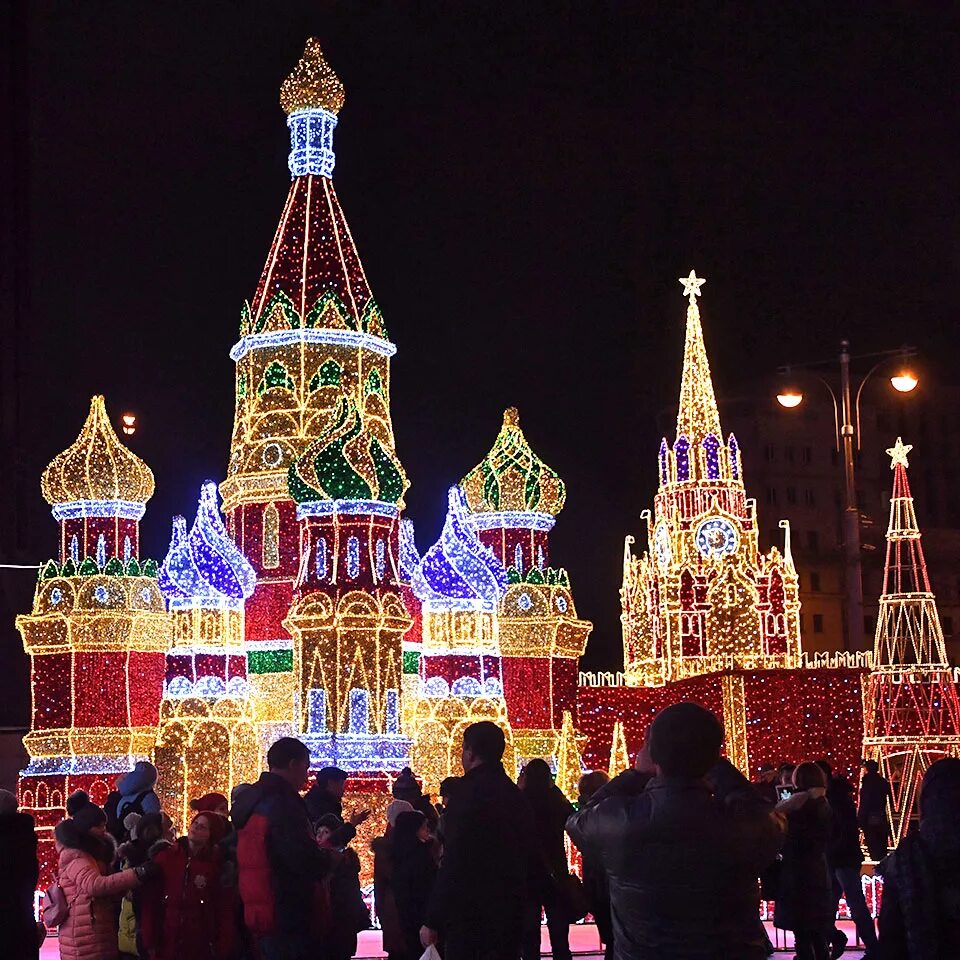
{"type": "Point", "coordinates": [207, 739]}
{"type": "Point", "coordinates": [97, 633]}
{"type": "Point", "coordinates": [514, 498]}
{"type": "Point", "coordinates": [702, 598]}
{"type": "Point", "coordinates": [619, 755]}
{"type": "Point", "coordinates": [311, 336]}
{"type": "Point", "coordinates": [459, 583]}
{"type": "Point", "coordinates": [348, 619]}
{"type": "Point", "coordinates": [911, 709]}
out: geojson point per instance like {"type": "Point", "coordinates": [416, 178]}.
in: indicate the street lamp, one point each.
{"type": "Point", "coordinates": [846, 421]}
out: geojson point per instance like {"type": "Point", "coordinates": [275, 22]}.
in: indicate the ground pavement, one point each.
{"type": "Point", "coordinates": [584, 943]}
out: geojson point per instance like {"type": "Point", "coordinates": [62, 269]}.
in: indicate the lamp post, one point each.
{"type": "Point", "coordinates": [846, 421]}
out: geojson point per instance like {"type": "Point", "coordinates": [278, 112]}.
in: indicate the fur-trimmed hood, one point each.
{"type": "Point", "coordinates": [69, 837]}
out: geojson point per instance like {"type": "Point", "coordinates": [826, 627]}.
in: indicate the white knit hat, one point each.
{"type": "Point", "coordinates": [395, 808]}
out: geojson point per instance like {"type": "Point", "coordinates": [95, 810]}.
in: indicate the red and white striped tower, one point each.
{"type": "Point", "coordinates": [911, 709]}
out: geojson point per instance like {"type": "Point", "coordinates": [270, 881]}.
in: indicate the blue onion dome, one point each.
{"type": "Point", "coordinates": [409, 555]}
{"type": "Point", "coordinates": [205, 566]}
{"type": "Point", "coordinates": [458, 572]}
{"type": "Point", "coordinates": [168, 587]}
{"type": "Point", "coordinates": [346, 463]}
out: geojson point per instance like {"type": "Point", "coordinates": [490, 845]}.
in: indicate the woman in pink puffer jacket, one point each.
{"type": "Point", "coordinates": [86, 852]}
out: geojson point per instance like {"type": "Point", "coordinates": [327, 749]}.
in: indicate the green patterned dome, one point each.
{"type": "Point", "coordinates": [346, 463]}
{"type": "Point", "coordinates": [512, 478]}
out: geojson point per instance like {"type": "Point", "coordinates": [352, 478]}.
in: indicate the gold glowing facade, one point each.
{"type": "Point", "coordinates": [702, 598]}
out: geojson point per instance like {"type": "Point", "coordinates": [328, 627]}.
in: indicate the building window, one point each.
{"type": "Point", "coordinates": [270, 544]}
{"type": "Point", "coordinates": [788, 453]}
{"type": "Point", "coordinates": [869, 625]}
{"type": "Point", "coordinates": [809, 498]}
{"type": "Point", "coordinates": [771, 495]}
{"type": "Point", "coordinates": [807, 455]}
{"type": "Point", "coordinates": [947, 623]}
{"type": "Point", "coordinates": [818, 623]}
{"type": "Point", "coordinates": [813, 541]}
{"type": "Point", "coordinates": [353, 558]}
{"type": "Point", "coordinates": [815, 581]}
{"type": "Point", "coordinates": [769, 453]}
{"type": "Point", "coordinates": [791, 495]}
{"type": "Point", "coordinates": [803, 623]}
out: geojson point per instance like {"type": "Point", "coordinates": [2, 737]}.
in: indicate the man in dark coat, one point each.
{"type": "Point", "coordinates": [845, 857]}
{"type": "Point", "coordinates": [875, 795]}
{"type": "Point", "coordinates": [280, 867]}
{"type": "Point", "coordinates": [490, 863]}
{"type": "Point", "coordinates": [326, 797]}
{"type": "Point", "coordinates": [683, 856]}
{"type": "Point", "coordinates": [18, 881]}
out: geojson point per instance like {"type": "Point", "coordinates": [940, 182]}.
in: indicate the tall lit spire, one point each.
{"type": "Point", "coordinates": [911, 709]}
{"type": "Point", "coordinates": [908, 629]}
{"type": "Point", "coordinates": [697, 415]}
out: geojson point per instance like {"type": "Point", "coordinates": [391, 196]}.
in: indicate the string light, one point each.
{"type": "Point", "coordinates": [702, 598]}
{"type": "Point", "coordinates": [912, 711]}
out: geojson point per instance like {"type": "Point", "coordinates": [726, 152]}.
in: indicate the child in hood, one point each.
{"type": "Point", "coordinates": [136, 790]}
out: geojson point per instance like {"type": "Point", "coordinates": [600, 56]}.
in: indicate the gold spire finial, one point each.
{"type": "Point", "coordinates": [313, 85]}
{"type": "Point", "coordinates": [511, 417]}
{"type": "Point", "coordinates": [898, 453]}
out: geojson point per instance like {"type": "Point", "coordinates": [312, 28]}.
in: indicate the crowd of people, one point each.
{"type": "Point", "coordinates": [675, 855]}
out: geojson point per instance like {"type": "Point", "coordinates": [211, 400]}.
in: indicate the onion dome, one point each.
{"type": "Point", "coordinates": [512, 478]}
{"type": "Point", "coordinates": [409, 556]}
{"type": "Point", "coordinates": [458, 572]}
{"type": "Point", "coordinates": [313, 85]}
{"type": "Point", "coordinates": [97, 468]}
{"type": "Point", "coordinates": [346, 463]}
{"type": "Point", "coordinates": [205, 567]}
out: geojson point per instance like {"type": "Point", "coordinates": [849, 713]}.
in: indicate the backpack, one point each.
{"type": "Point", "coordinates": [134, 806]}
{"type": "Point", "coordinates": [55, 906]}
{"type": "Point", "coordinates": [114, 826]}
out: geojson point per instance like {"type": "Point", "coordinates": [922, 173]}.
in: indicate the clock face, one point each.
{"type": "Point", "coordinates": [716, 536]}
{"type": "Point", "coordinates": [661, 545]}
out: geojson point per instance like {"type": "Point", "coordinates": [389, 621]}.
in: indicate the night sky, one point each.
{"type": "Point", "coordinates": [524, 182]}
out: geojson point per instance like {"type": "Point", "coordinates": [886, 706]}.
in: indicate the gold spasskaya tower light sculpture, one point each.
{"type": "Point", "coordinates": [97, 632]}
{"type": "Point", "coordinates": [702, 598]}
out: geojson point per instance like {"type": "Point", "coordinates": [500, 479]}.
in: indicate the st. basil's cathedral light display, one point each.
{"type": "Point", "coordinates": [310, 612]}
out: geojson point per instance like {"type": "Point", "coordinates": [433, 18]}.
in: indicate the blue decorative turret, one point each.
{"type": "Point", "coordinates": [204, 568]}
{"type": "Point", "coordinates": [458, 572]}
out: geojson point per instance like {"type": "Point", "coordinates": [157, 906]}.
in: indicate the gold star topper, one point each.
{"type": "Point", "coordinates": [898, 453]}
{"type": "Point", "coordinates": [691, 286]}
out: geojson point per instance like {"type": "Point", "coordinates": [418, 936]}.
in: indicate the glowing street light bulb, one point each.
{"type": "Point", "coordinates": [790, 399]}
{"type": "Point", "coordinates": [904, 382]}
{"type": "Point", "coordinates": [128, 423]}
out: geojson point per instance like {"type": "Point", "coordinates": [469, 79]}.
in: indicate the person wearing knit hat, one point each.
{"type": "Point", "coordinates": [191, 911]}
{"type": "Point", "coordinates": [85, 855]}
{"type": "Point", "coordinates": [211, 803]}
{"type": "Point", "coordinates": [395, 808]}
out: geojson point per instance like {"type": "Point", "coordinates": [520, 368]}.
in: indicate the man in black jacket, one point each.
{"type": "Point", "coordinates": [326, 796]}
{"type": "Point", "coordinates": [845, 857]}
{"type": "Point", "coordinates": [490, 864]}
{"type": "Point", "coordinates": [280, 867]}
{"type": "Point", "coordinates": [684, 855]}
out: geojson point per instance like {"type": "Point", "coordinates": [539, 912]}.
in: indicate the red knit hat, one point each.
{"type": "Point", "coordinates": [209, 803]}
{"type": "Point", "coordinates": [218, 825]}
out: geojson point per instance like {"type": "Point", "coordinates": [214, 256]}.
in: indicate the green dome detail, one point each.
{"type": "Point", "coordinates": [346, 463]}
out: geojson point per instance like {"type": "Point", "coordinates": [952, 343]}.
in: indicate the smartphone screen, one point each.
{"type": "Point", "coordinates": [784, 793]}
